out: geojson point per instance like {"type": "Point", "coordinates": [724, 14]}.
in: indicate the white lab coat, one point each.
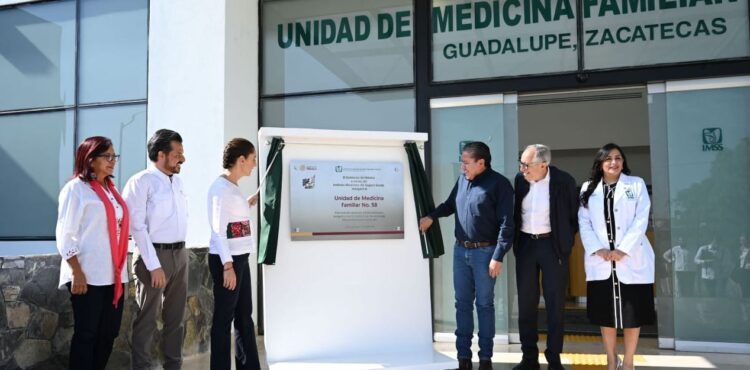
{"type": "Point", "coordinates": [631, 206]}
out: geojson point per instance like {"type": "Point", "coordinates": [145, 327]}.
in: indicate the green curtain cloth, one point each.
{"type": "Point", "coordinates": [269, 222]}
{"type": "Point", "coordinates": [432, 240]}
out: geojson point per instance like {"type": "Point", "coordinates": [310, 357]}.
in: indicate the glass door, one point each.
{"type": "Point", "coordinates": [492, 119]}
{"type": "Point", "coordinates": [700, 148]}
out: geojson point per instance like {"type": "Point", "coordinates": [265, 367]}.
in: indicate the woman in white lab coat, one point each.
{"type": "Point", "coordinates": [619, 260]}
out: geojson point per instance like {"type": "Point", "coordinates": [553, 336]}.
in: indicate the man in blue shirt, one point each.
{"type": "Point", "coordinates": [482, 201]}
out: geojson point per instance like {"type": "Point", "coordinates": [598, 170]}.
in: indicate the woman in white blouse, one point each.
{"type": "Point", "coordinates": [92, 237]}
{"type": "Point", "coordinates": [619, 260]}
{"type": "Point", "coordinates": [231, 244]}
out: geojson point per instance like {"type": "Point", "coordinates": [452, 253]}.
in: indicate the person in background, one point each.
{"type": "Point", "coordinates": [231, 244]}
{"type": "Point", "coordinates": [92, 238]}
{"type": "Point", "coordinates": [677, 257]}
{"type": "Point", "coordinates": [619, 260]}
{"type": "Point", "coordinates": [741, 276]}
{"type": "Point", "coordinates": [707, 257]}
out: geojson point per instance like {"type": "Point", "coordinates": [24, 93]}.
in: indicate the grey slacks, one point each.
{"type": "Point", "coordinates": [172, 306]}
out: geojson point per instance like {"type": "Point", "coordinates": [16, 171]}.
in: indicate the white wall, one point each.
{"type": "Point", "coordinates": [584, 119]}
{"type": "Point", "coordinates": [241, 93]}
{"type": "Point", "coordinates": [575, 124]}
{"type": "Point", "coordinates": [203, 83]}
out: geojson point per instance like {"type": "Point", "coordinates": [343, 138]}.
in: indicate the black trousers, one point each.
{"type": "Point", "coordinates": [234, 305]}
{"type": "Point", "coordinates": [535, 256]}
{"type": "Point", "coordinates": [96, 325]}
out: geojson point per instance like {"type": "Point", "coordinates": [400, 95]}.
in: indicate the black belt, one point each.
{"type": "Point", "coordinates": [472, 245]}
{"type": "Point", "coordinates": [537, 236]}
{"type": "Point", "coordinates": [175, 245]}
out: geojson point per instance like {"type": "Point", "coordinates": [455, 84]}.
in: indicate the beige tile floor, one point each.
{"type": "Point", "coordinates": [581, 353]}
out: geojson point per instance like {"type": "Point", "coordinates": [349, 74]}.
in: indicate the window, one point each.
{"type": "Point", "coordinates": [336, 44]}
{"type": "Point", "coordinates": [59, 86]}
{"type": "Point", "coordinates": [484, 39]}
{"type": "Point", "coordinates": [113, 50]}
{"type": "Point", "coordinates": [37, 55]}
{"type": "Point", "coordinates": [390, 110]}
{"type": "Point", "coordinates": [36, 158]}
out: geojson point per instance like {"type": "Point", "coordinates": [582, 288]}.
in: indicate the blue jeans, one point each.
{"type": "Point", "coordinates": [471, 280]}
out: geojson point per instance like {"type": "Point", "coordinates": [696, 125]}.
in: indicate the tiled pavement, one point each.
{"type": "Point", "coordinates": [581, 353]}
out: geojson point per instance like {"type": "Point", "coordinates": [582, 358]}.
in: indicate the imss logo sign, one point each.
{"type": "Point", "coordinates": [712, 139]}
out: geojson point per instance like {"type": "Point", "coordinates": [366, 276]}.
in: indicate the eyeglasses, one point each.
{"type": "Point", "coordinates": [525, 166]}
{"type": "Point", "coordinates": [110, 157]}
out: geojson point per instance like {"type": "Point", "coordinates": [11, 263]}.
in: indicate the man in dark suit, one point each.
{"type": "Point", "coordinates": [546, 219]}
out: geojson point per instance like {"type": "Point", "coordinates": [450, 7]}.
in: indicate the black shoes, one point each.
{"type": "Point", "coordinates": [464, 364]}
{"type": "Point", "coordinates": [527, 365]}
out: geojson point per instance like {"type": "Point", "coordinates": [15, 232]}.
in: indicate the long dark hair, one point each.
{"type": "Point", "coordinates": [86, 153]}
{"type": "Point", "coordinates": [596, 174]}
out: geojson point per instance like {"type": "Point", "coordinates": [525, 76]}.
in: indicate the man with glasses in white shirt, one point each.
{"type": "Point", "coordinates": [546, 221]}
{"type": "Point", "coordinates": [158, 213]}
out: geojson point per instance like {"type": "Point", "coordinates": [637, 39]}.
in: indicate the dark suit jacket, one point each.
{"type": "Point", "coordinates": [563, 212]}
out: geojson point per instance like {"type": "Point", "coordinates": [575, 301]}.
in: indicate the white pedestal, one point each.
{"type": "Point", "coordinates": [348, 304]}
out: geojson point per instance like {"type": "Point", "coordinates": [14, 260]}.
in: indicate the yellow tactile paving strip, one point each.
{"type": "Point", "coordinates": [587, 355]}
{"type": "Point", "coordinates": [597, 361]}
{"type": "Point", "coordinates": [589, 359]}
{"type": "Point", "coordinates": [579, 338]}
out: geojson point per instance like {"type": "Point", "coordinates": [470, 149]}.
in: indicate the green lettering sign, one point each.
{"type": "Point", "coordinates": [463, 17]}
{"type": "Point", "coordinates": [385, 26]}
{"type": "Point", "coordinates": [361, 27]}
{"type": "Point", "coordinates": [402, 24]}
{"type": "Point", "coordinates": [442, 21]}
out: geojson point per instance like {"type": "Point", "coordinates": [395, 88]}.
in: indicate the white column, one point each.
{"type": "Point", "coordinates": [241, 95]}
{"type": "Point", "coordinates": [203, 83]}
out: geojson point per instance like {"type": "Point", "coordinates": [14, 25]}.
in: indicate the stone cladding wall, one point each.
{"type": "Point", "coordinates": [36, 318]}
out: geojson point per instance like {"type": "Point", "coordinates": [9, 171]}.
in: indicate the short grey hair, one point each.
{"type": "Point", "coordinates": [543, 153]}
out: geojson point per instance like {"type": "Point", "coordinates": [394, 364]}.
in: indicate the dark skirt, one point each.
{"type": "Point", "coordinates": [637, 304]}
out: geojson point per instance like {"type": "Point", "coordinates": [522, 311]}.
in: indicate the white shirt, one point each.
{"type": "Point", "coordinates": [706, 258]}
{"type": "Point", "coordinates": [158, 212]}
{"type": "Point", "coordinates": [535, 208]}
{"type": "Point", "coordinates": [229, 218]}
{"type": "Point", "coordinates": [82, 231]}
{"type": "Point", "coordinates": [677, 258]}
